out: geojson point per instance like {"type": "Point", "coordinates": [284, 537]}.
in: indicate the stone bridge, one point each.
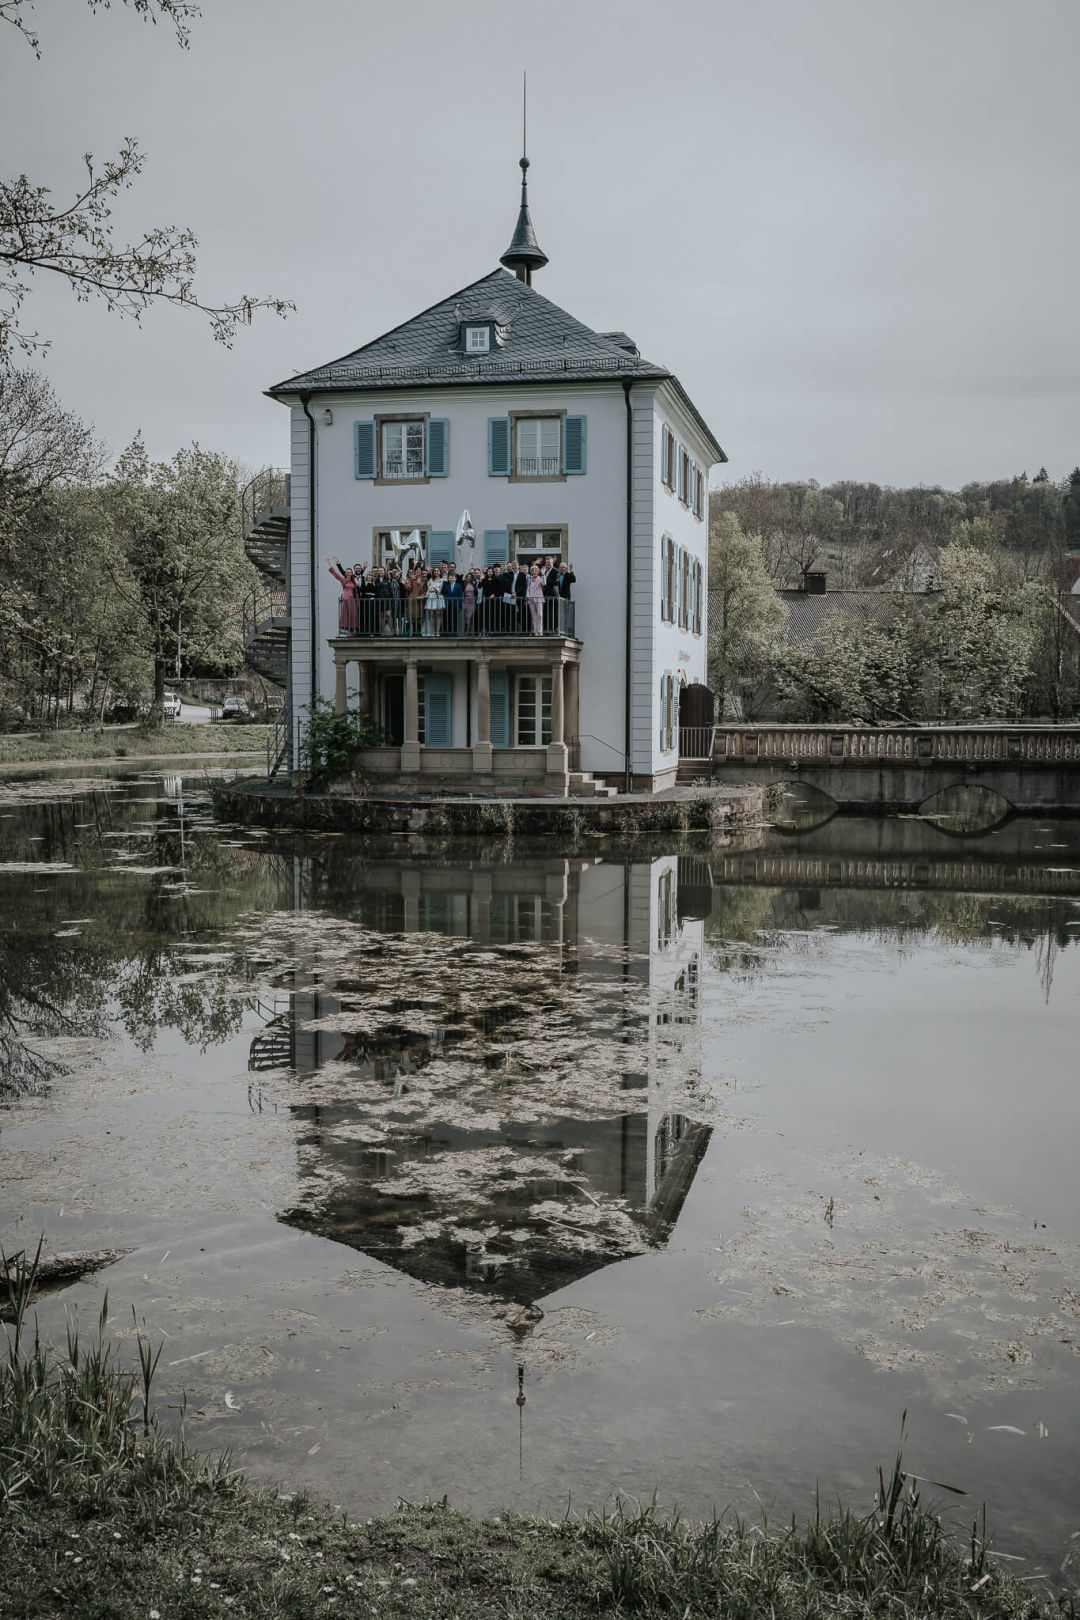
{"type": "Point", "coordinates": [1034, 769]}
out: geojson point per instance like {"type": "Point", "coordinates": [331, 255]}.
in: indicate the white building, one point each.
{"type": "Point", "coordinates": [559, 441]}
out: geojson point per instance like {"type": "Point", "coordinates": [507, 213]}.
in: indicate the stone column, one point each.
{"type": "Point", "coordinates": [341, 696]}
{"type": "Point", "coordinates": [410, 748]}
{"type": "Point", "coordinates": [557, 703]}
{"type": "Point", "coordinates": [481, 749]}
{"type": "Point", "coordinates": [557, 767]}
{"type": "Point", "coordinates": [573, 690]}
{"type": "Point", "coordinates": [367, 684]}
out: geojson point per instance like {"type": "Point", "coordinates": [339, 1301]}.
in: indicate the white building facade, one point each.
{"type": "Point", "coordinates": [558, 441]}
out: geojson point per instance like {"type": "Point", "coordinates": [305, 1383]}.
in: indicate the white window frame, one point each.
{"type": "Point", "coordinates": [399, 468]}
{"type": "Point", "coordinates": [535, 688]}
{"type": "Point", "coordinates": [477, 340]}
{"type": "Point", "coordinates": [538, 461]}
{"type": "Point", "coordinates": [526, 546]}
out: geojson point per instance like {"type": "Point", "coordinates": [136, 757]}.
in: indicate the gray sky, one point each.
{"type": "Point", "coordinates": [850, 226]}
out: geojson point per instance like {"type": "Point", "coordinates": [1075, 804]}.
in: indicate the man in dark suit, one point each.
{"type": "Point", "coordinates": [505, 610]}
{"type": "Point", "coordinates": [453, 590]}
{"type": "Point", "coordinates": [567, 577]}
{"type": "Point", "coordinates": [520, 586]}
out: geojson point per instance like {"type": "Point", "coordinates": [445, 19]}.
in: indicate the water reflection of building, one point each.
{"type": "Point", "coordinates": [508, 1127]}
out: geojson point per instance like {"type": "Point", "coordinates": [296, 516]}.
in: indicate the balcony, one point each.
{"type": "Point", "coordinates": [369, 618]}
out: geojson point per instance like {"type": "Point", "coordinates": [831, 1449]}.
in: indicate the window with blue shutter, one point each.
{"type": "Point", "coordinates": [440, 547]}
{"type": "Point", "coordinates": [365, 444]}
{"type": "Point", "coordinates": [500, 708]}
{"type": "Point", "coordinates": [496, 546]}
{"type": "Point", "coordinates": [437, 694]}
{"type": "Point", "coordinates": [573, 445]}
{"type": "Point", "coordinates": [498, 447]}
{"type": "Point", "coordinates": [438, 447]}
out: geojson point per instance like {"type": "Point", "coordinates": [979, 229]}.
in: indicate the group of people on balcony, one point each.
{"type": "Point", "coordinates": [510, 598]}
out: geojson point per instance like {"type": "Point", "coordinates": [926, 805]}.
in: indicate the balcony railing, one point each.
{"type": "Point", "coordinates": [538, 466]}
{"type": "Point", "coordinates": [268, 491]}
{"type": "Point", "coordinates": [370, 617]}
{"type": "Point", "coordinates": [394, 467]}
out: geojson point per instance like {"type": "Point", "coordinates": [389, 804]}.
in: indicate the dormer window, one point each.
{"type": "Point", "coordinates": [477, 339]}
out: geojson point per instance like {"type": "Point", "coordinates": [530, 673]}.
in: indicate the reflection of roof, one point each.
{"type": "Point", "coordinates": [808, 611]}
{"type": "Point", "coordinates": [544, 344]}
{"type": "Point", "coordinates": [526, 1226]}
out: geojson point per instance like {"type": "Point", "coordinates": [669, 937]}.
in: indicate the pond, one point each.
{"type": "Point", "coordinates": [722, 1154]}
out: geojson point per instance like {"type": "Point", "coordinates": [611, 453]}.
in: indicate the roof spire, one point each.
{"type": "Point", "coordinates": [524, 255]}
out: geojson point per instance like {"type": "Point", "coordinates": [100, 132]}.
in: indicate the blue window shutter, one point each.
{"type": "Point", "coordinates": [573, 445]}
{"type": "Point", "coordinates": [498, 447]}
{"type": "Point", "coordinates": [496, 546]}
{"type": "Point", "coordinates": [365, 443]}
{"type": "Point", "coordinates": [440, 546]}
{"type": "Point", "coordinates": [437, 691]}
{"type": "Point", "coordinates": [500, 708]}
{"type": "Point", "coordinates": [438, 447]}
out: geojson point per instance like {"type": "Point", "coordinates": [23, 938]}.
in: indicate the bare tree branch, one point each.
{"type": "Point", "coordinates": [76, 242]}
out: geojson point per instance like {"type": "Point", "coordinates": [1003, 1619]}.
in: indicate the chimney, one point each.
{"type": "Point", "coordinates": [814, 581]}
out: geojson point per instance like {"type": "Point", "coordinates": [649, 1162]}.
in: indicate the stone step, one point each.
{"type": "Point", "coordinates": [583, 785]}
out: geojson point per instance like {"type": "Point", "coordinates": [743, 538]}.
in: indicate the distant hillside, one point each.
{"type": "Point", "coordinates": [870, 535]}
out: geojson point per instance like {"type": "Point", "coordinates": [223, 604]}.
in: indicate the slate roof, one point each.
{"type": "Point", "coordinates": [543, 344]}
{"type": "Point", "coordinates": [808, 611]}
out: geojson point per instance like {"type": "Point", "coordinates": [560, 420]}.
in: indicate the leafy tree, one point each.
{"type": "Point", "coordinates": [74, 239]}
{"type": "Point", "coordinates": [977, 650]}
{"type": "Point", "coordinates": [1071, 512]}
{"type": "Point", "coordinates": [745, 614]}
{"type": "Point", "coordinates": [179, 560]}
{"type": "Point", "coordinates": [858, 672]}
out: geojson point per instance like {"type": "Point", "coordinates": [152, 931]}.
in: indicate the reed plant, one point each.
{"type": "Point", "coordinates": [103, 1516]}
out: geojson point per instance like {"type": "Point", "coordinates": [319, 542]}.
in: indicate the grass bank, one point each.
{"type": "Point", "coordinates": [132, 742]}
{"type": "Point", "coordinates": [102, 1517]}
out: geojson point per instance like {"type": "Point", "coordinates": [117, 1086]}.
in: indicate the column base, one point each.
{"type": "Point", "coordinates": [557, 769]}
{"type": "Point", "coordinates": [481, 758]}
{"type": "Point", "coordinates": [410, 756]}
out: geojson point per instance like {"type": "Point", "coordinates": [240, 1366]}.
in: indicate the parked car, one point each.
{"type": "Point", "coordinates": [172, 706]}
{"type": "Point", "coordinates": [234, 706]}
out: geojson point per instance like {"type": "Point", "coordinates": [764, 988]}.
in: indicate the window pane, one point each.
{"type": "Point", "coordinates": [393, 459]}
{"type": "Point", "coordinates": [539, 442]}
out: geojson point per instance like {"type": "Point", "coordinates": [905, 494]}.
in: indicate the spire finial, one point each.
{"type": "Point", "coordinates": [524, 255]}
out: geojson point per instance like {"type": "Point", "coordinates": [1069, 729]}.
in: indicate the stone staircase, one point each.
{"type": "Point", "coordinates": [583, 785]}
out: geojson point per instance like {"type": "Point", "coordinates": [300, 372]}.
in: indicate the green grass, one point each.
{"type": "Point", "coordinates": [133, 742]}
{"type": "Point", "coordinates": [103, 1517]}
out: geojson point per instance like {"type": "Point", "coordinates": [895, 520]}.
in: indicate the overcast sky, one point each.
{"type": "Point", "coordinates": [849, 226]}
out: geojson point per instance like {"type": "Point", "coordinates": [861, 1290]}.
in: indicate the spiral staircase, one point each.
{"type": "Point", "coordinates": [267, 627]}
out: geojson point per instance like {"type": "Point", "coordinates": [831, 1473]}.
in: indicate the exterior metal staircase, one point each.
{"type": "Point", "coordinates": [267, 626]}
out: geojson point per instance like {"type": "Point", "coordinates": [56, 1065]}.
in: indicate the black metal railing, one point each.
{"type": "Point", "coordinates": [368, 616]}
{"type": "Point", "coordinates": [277, 747]}
{"type": "Point", "coordinates": [264, 608]}
{"type": "Point", "coordinates": [267, 492]}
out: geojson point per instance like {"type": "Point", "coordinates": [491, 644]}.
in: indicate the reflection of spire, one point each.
{"type": "Point", "coordinates": [521, 1421]}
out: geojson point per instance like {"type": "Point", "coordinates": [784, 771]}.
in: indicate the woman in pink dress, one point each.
{"type": "Point", "coordinates": [534, 596]}
{"type": "Point", "coordinates": [349, 606]}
